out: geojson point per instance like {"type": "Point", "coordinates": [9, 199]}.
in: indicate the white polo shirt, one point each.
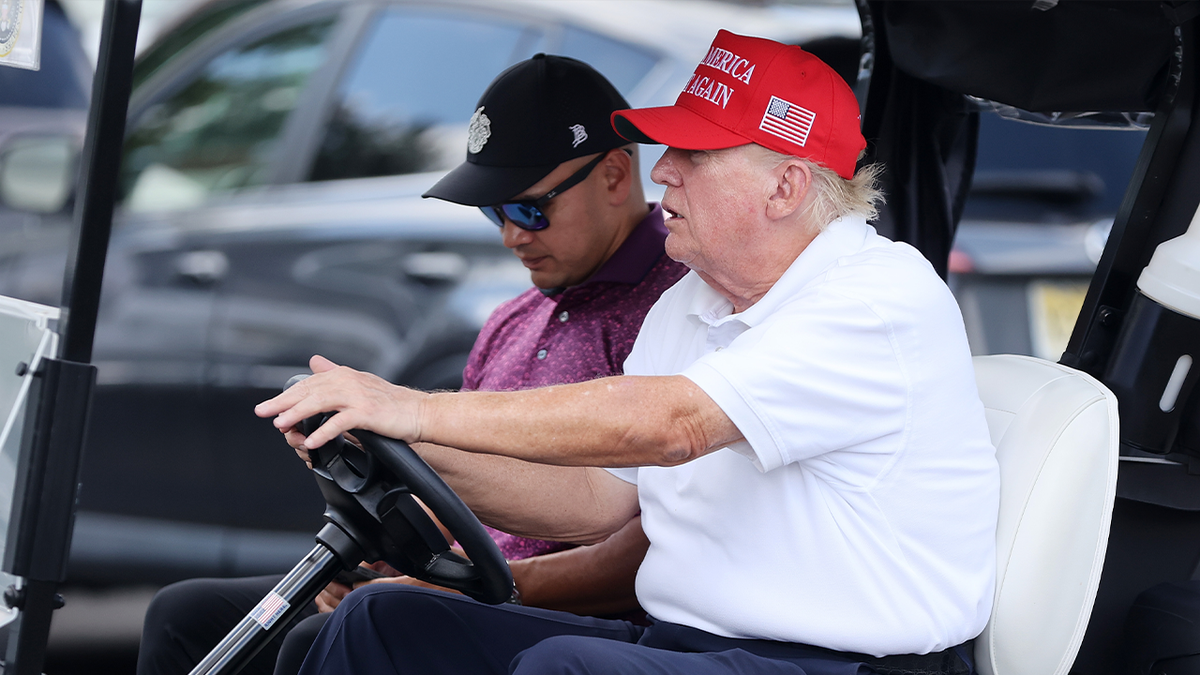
{"type": "Point", "coordinates": [860, 512]}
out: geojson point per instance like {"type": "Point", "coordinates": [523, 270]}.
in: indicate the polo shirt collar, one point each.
{"type": "Point", "coordinates": [842, 237]}
{"type": "Point", "coordinates": [639, 252]}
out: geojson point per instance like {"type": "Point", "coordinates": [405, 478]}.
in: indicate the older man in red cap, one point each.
{"type": "Point", "coordinates": [798, 425]}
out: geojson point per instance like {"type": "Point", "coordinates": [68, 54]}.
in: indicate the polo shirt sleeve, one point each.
{"type": "Point", "coordinates": [820, 375]}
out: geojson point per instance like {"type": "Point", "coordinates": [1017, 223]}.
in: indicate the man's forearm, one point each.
{"type": "Point", "coordinates": [575, 504]}
{"type": "Point", "coordinates": [643, 421]}
{"type": "Point", "coordinates": [592, 580]}
{"type": "Point", "coordinates": [610, 422]}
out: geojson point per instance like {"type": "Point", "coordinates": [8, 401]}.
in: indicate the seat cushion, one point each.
{"type": "Point", "coordinates": [1056, 437]}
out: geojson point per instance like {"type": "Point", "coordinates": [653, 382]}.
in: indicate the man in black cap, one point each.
{"type": "Point", "coordinates": [544, 164]}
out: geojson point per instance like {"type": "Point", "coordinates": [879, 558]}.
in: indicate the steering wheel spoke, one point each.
{"type": "Point", "coordinates": [369, 494]}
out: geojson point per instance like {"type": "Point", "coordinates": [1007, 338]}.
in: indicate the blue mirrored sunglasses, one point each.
{"type": "Point", "coordinates": [527, 214]}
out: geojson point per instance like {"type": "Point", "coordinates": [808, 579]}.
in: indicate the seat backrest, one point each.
{"type": "Point", "coordinates": [1056, 437]}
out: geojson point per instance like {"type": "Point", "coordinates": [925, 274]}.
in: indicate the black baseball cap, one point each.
{"type": "Point", "coordinates": [534, 116]}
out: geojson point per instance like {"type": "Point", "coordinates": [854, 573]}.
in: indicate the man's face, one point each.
{"type": "Point", "coordinates": [583, 231]}
{"type": "Point", "coordinates": [710, 200]}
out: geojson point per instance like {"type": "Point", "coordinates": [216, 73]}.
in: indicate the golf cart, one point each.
{"type": "Point", "coordinates": [1098, 538]}
{"type": "Point", "coordinates": [1099, 534]}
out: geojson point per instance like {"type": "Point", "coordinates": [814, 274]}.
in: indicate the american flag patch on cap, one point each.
{"type": "Point", "coordinates": [787, 121]}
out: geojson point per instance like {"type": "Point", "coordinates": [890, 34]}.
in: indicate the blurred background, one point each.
{"type": "Point", "coordinates": [270, 209]}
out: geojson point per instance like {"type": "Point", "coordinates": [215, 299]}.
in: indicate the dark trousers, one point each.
{"type": "Point", "coordinates": [414, 631]}
{"type": "Point", "coordinates": [187, 619]}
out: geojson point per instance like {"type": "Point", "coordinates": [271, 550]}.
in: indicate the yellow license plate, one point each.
{"type": "Point", "coordinates": [1053, 308]}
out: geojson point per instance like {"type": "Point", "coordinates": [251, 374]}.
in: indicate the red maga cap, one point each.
{"type": "Point", "coordinates": [753, 90]}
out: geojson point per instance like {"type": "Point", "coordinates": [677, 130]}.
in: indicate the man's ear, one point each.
{"type": "Point", "coordinates": [618, 176]}
{"type": "Point", "coordinates": [793, 180]}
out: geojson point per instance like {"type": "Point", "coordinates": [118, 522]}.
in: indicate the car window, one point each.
{"type": "Point", "coordinates": [196, 26]}
{"type": "Point", "coordinates": [218, 132]}
{"type": "Point", "coordinates": [404, 103]}
{"type": "Point", "coordinates": [622, 63]}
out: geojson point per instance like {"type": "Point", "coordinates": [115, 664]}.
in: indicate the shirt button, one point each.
{"type": "Point", "coordinates": [542, 354]}
{"type": "Point", "coordinates": [562, 317]}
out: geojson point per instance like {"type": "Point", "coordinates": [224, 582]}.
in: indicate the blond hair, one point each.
{"type": "Point", "coordinates": [836, 196]}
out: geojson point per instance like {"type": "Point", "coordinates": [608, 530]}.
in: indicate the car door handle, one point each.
{"type": "Point", "coordinates": [435, 266]}
{"type": "Point", "coordinates": [202, 267]}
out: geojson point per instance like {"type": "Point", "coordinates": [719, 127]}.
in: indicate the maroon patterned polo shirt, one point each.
{"type": "Point", "coordinates": [583, 333]}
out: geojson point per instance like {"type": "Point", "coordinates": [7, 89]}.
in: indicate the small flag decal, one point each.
{"type": "Point", "coordinates": [269, 610]}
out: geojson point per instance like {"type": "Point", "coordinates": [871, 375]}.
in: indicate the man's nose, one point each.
{"type": "Point", "coordinates": [514, 236]}
{"type": "Point", "coordinates": [665, 171]}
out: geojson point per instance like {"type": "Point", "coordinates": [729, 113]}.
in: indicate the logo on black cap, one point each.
{"type": "Point", "coordinates": [478, 132]}
{"type": "Point", "coordinates": [580, 134]}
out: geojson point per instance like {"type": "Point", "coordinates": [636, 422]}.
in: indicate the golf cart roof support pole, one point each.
{"type": "Point", "coordinates": [1143, 220]}
{"type": "Point", "coordinates": [98, 182]}
{"type": "Point", "coordinates": [43, 514]}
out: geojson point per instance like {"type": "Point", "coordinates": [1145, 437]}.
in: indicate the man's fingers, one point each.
{"type": "Point", "coordinates": [357, 400]}
{"type": "Point", "coordinates": [286, 399]}
{"type": "Point", "coordinates": [333, 389]}
{"type": "Point", "coordinates": [331, 597]}
{"type": "Point", "coordinates": [326, 603]}
{"type": "Point", "coordinates": [304, 456]}
{"type": "Point", "coordinates": [386, 569]}
{"type": "Point", "coordinates": [296, 440]}
{"type": "Point", "coordinates": [329, 430]}
{"type": "Point", "coordinates": [320, 364]}
{"type": "Point", "coordinates": [408, 581]}
{"type": "Point", "coordinates": [291, 412]}
{"type": "Point", "coordinates": [336, 590]}
{"type": "Point", "coordinates": [289, 397]}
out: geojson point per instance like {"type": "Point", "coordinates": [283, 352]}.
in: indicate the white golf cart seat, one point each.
{"type": "Point", "coordinates": [1055, 432]}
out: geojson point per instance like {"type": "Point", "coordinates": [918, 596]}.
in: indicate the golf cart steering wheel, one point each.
{"type": "Point", "coordinates": [372, 514]}
{"type": "Point", "coordinates": [369, 493]}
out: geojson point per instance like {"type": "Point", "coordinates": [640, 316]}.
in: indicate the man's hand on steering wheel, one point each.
{"type": "Point", "coordinates": [377, 489]}
{"type": "Point", "coordinates": [358, 400]}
